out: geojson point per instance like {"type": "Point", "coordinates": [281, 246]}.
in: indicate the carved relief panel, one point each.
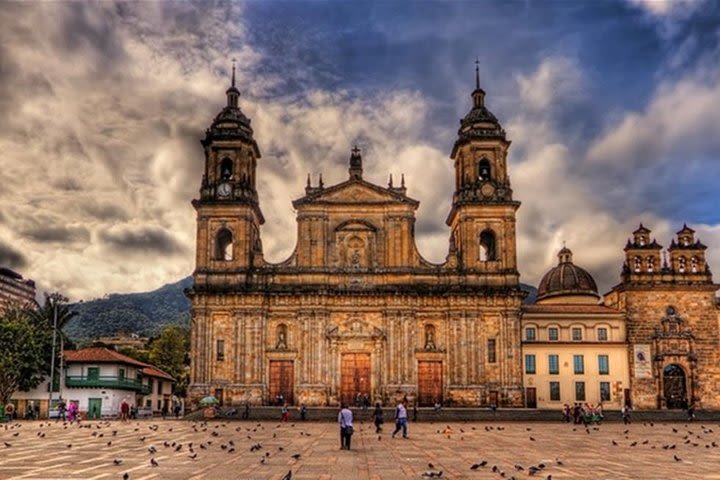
{"type": "Point", "coordinates": [355, 246]}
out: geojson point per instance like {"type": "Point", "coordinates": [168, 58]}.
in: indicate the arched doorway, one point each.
{"type": "Point", "coordinates": [674, 386]}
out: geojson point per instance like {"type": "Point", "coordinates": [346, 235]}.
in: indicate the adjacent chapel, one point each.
{"type": "Point", "coordinates": [357, 312]}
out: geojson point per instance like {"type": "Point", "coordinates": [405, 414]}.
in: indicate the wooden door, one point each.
{"type": "Point", "coordinates": [429, 383]}
{"type": "Point", "coordinates": [494, 397]}
{"type": "Point", "coordinates": [94, 408]}
{"type": "Point", "coordinates": [355, 377]}
{"type": "Point", "coordinates": [530, 397]}
{"type": "Point", "coordinates": [282, 375]}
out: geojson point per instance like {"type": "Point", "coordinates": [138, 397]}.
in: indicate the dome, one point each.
{"type": "Point", "coordinates": [567, 279]}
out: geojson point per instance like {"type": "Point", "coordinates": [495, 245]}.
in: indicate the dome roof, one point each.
{"type": "Point", "coordinates": [566, 279]}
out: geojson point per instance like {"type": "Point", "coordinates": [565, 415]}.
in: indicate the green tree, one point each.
{"type": "Point", "coordinates": [45, 313]}
{"type": "Point", "coordinates": [24, 344]}
{"type": "Point", "coordinates": [170, 352]}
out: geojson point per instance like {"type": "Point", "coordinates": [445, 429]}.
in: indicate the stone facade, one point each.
{"type": "Point", "coordinates": [356, 310]}
{"type": "Point", "coordinates": [672, 321]}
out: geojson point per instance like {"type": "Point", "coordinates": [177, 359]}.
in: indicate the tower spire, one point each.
{"type": "Point", "coordinates": [477, 73]}
{"type": "Point", "coordinates": [478, 95]}
{"type": "Point", "coordinates": [233, 74]}
{"type": "Point", "coordinates": [232, 93]}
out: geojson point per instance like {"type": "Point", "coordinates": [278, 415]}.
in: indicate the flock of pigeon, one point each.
{"type": "Point", "coordinates": [161, 445]}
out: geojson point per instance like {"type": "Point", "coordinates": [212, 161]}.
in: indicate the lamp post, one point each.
{"type": "Point", "coordinates": [52, 359]}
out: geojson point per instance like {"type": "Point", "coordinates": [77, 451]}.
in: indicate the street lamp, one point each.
{"type": "Point", "coordinates": [52, 359]}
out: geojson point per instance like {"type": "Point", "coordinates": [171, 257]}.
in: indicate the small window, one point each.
{"type": "Point", "coordinates": [224, 245]}
{"type": "Point", "coordinates": [226, 169]}
{"type": "Point", "coordinates": [487, 246]}
{"type": "Point", "coordinates": [682, 264]}
{"type": "Point", "coordinates": [650, 264]}
{"type": "Point", "coordinates": [491, 351]}
{"type": "Point", "coordinates": [530, 364]}
{"type": "Point", "coordinates": [602, 334]}
{"type": "Point", "coordinates": [555, 391]}
{"type": "Point", "coordinates": [160, 386]}
{"type": "Point", "coordinates": [530, 334]}
{"type": "Point", "coordinates": [576, 334]}
{"type": "Point", "coordinates": [580, 391]}
{"type": "Point", "coordinates": [484, 169]}
{"type": "Point", "coordinates": [578, 364]}
{"type": "Point", "coordinates": [637, 264]}
{"type": "Point", "coordinates": [220, 351]}
{"type": "Point", "coordinates": [93, 373]}
{"type": "Point", "coordinates": [121, 374]}
{"type": "Point", "coordinates": [553, 364]}
{"type": "Point", "coordinates": [148, 403]}
{"type": "Point", "coordinates": [694, 265]}
{"type": "Point", "coordinates": [604, 391]}
{"type": "Point", "coordinates": [553, 334]}
{"type": "Point", "coordinates": [603, 365]}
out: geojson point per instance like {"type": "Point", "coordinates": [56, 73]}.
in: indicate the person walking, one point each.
{"type": "Point", "coordinates": [691, 412]}
{"type": "Point", "coordinates": [246, 412]}
{"type": "Point", "coordinates": [284, 413]}
{"type": "Point", "coordinates": [303, 412]}
{"type": "Point", "coordinates": [625, 414]}
{"type": "Point", "coordinates": [400, 420]}
{"type": "Point", "coordinates": [378, 418]}
{"type": "Point", "coordinates": [345, 419]}
{"type": "Point", "coordinates": [62, 409]}
{"type": "Point", "coordinates": [124, 410]}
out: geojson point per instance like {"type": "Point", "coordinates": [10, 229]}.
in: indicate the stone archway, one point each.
{"type": "Point", "coordinates": [674, 386]}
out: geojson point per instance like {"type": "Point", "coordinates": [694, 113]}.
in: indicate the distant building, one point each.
{"type": "Point", "coordinates": [98, 380]}
{"type": "Point", "coordinates": [14, 289]}
{"type": "Point", "coordinates": [124, 340]}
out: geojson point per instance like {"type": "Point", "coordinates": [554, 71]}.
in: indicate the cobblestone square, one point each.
{"type": "Point", "coordinates": [248, 450]}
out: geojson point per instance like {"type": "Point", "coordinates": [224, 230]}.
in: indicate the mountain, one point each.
{"type": "Point", "coordinates": [146, 313]}
{"type": "Point", "coordinates": [142, 313]}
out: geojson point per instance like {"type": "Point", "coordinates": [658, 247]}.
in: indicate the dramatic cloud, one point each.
{"type": "Point", "coordinates": [610, 112]}
{"type": "Point", "coordinates": [11, 258]}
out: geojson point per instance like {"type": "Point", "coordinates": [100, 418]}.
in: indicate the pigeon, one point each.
{"type": "Point", "coordinates": [431, 474]}
{"type": "Point", "coordinates": [519, 468]}
{"type": "Point", "coordinates": [532, 439]}
{"type": "Point", "coordinates": [288, 476]}
{"type": "Point", "coordinates": [295, 456]}
{"type": "Point", "coordinates": [152, 449]}
{"type": "Point", "coordinates": [677, 459]}
{"type": "Point", "coordinates": [117, 461]}
{"type": "Point", "coordinates": [431, 466]}
{"type": "Point", "coordinates": [7, 445]}
{"type": "Point", "coordinates": [475, 466]}
{"type": "Point", "coordinates": [69, 445]}
{"type": "Point", "coordinates": [153, 462]}
{"type": "Point", "coordinates": [126, 476]}
{"type": "Point", "coordinates": [193, 456]}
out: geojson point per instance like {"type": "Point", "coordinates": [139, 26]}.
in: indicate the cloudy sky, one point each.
{"type": "Point", "coordinates": [612, 108]}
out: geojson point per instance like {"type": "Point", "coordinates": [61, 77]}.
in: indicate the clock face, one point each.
{"type": "Point", "coordinates": [487, 189]}
{"type": "Point", "coordinates": [224, 189]}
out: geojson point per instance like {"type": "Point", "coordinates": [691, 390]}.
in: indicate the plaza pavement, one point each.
{"type": "Point", "coordinates": [38, 450]}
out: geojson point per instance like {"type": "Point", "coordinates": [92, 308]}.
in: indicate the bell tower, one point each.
{"type": "Point", "coordinates": [482, 217]}
{"type": "Point", "coordinates": [228, 212]}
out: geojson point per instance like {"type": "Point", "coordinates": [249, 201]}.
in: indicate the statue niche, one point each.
{"type": "Point", "coordinates": [281, 332]}
{"type": "Point", "coordinates": [430, 337]}
{"type": "Point", "coordinates": [354, 244]}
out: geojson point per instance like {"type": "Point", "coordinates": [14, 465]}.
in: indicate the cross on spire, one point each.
{"type": "Point", "coordinates": [477, 72]}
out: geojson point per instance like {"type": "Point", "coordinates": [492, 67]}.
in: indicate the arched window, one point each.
{"type": "Point", "coordinates": [637, 264]}
{"type": "Point", "coordinates": [226, 169]}
{"type": "Point", "coordinates": [682, 264]}
{"type": "Point", "coordinates": [484, 169]}
{"type": "Point", "coordinates": [487, 246]}
{"type": "Point", "coordinates": [224, 245]}
{"type": "Point", "coordinates": [650, 264]}
{"type": "Point", "coordinates": [694, 265]}
{"type": "Point", "coordinates": [281, 337]}
{"type": "Point", "coordinates": [430, 337]}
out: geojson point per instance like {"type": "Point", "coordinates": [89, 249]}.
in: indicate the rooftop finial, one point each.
{"type": "Point", "coordinates": [477, 73]}
{"type": "Point", "coordinates": [355, 164]}
{"type": "Point", "coordinates": [233, 74]}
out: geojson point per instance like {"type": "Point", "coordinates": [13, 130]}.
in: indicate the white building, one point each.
{"type": "Point", "coordinates": [98, 380]}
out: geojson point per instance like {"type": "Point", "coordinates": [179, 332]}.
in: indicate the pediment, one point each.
{"type": "Point", "coordinates": [355, 191]}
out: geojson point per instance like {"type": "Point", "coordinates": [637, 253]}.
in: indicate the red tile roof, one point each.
{"type": "Point", "coordinates": [105, 355]}
{"type": "Point", "coordinates": [569, 309]}
{"type": "Point", "coordinates": [154, 372]}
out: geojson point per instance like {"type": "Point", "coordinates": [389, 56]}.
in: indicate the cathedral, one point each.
{"type": "Point", "coordinates": [356, 311]}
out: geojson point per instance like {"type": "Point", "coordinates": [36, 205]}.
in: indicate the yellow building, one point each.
{"type": "Point", "coordinates": [574, 349]}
